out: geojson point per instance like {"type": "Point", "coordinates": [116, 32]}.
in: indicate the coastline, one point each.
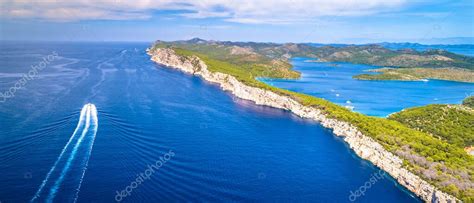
{"type": "Point", "coordinates": [364, 146]}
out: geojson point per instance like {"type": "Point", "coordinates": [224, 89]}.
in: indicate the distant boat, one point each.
{"type": "Point", "coordinates": [349, 107]}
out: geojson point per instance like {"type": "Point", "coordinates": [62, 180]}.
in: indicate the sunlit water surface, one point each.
{"type": "Point", "coordinates": [334, 82]}
{"type": "Point", "coordinates": [225, 149]}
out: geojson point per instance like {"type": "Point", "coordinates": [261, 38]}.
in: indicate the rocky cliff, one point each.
{"type": "Point", "coordinates": [363, 146]}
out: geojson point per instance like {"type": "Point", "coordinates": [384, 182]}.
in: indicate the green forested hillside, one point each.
{"type": "Point", "coordinates": [379, 56]}
{"type": "Point", "coordinates": [469, 101]}
{"type": "Point", "coordinates": [453, 123]}
{"type": "Point", "coordinates": [254, 63]}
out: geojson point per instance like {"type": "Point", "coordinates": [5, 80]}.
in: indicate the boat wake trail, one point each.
{"type": "Point", "coordinates": [64, 179]}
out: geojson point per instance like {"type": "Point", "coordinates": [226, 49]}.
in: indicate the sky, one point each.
{"type": "Point", "coordinates": [318, 21]}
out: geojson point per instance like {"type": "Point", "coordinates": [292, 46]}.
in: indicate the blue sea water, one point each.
{"type": "Point", "coordinates": [334, 82]}
{"type": "Point", "coordinates": [222, 148]}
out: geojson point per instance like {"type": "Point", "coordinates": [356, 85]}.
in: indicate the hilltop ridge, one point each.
{"type": "Point", "coordinates": [371, 54]}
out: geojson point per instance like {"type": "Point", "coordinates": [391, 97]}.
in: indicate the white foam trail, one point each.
{"type": "Point", "coordinates": [54, 189]}
{"type": "Point", "coordinates": [79, 124]}
{"type": "Point", "coordinates": [75, 155]}
{"type": "Point", "coordinates": [95, 121]}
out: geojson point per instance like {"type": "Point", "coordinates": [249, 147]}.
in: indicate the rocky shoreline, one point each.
{"type": "Point", "coordinates": [364, 146]}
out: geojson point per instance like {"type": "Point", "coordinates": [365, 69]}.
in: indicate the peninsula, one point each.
{"type": "Point", "coordinates": [435, 169]}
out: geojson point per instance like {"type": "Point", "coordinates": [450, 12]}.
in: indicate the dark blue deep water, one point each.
{"type": "Point", "coordinates": [334, 82]}
{"type": "Point", "coordinates": [209, 145]}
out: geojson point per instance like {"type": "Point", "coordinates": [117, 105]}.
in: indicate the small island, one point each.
{"type": "Point", "coordinates": [418, 74]}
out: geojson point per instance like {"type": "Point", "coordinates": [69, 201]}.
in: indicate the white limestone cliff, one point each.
{"type": "Point", "coordinates": [364, 146]}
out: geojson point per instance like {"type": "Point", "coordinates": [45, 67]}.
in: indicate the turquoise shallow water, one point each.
{"type": "Point", "coordinates": [334, 82]}
{"type": "Point", "coordinates": [224, 149]}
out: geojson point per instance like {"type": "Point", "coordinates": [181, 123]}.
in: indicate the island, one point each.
{"type": "Point", "coordinates": [432, 167]}
{"type": "Point", "coordinates": [419, 74]}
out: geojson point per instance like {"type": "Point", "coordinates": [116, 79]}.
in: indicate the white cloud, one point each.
{"type": "Point", "coordinates": [243, 11]}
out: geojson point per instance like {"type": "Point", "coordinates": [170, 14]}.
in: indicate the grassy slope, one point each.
{"type": "Point", "coordinates": [454, 74]}
{"type": "Point", "coordinates": [445, 165]}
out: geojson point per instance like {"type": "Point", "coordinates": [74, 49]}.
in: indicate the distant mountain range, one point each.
{"type": "Point", "coordinates": [416, 61]}
{"type": "Point", "coordinates": [448, 40]}
{"type": "Point", "coordinates": [407, 55]}
{"type": "Point", "coordinates": [464, 49]}
{"type": "Point", "coordinates": [424, 41]}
